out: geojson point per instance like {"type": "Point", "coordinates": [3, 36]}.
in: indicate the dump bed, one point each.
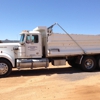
{"type": "Point", "coordinates": [63, 45]}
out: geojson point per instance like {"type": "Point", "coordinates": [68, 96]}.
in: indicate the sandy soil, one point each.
{"type": "Point", "coordinates": [50, 87]}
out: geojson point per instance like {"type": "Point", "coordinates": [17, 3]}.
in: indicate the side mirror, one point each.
{"type": "Point", "coordinates": [16, 48]}
{"type": "Point", "coordinates": [22, 43]}
{"type": "Point", "coordinates": [28, 41]}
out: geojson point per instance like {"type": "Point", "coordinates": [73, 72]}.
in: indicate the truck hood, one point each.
{"type": "Point", "coordinates": [9, 44]}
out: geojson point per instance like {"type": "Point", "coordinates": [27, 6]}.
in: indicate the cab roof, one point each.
{"type": "Point", "coordinates": [35, 30]}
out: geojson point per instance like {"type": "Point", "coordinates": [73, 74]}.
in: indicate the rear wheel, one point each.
{"type": "Point", "coordinates": [5, 67]}
{"type": "Point", "coordinates": [88, 63]}
{"type": "Point", "coordinates": [73, 64]}
{"type": "Point", "coordinates": [98, 62]}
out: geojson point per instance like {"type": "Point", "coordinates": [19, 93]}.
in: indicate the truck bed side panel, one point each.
{"type": "Point", "coordinates": [63, 45]}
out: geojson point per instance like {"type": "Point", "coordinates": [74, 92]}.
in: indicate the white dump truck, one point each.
{"type": "Point", "coordinates": [39, 47]}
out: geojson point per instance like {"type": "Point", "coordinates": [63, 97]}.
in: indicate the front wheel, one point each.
{"type": "Point", "coordinates": [5, 67]}
{"type": "Point", "coordinates": [88, 63]}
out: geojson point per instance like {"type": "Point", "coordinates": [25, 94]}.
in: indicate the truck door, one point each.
{"type": "Point", "coordinates": [33, 46]}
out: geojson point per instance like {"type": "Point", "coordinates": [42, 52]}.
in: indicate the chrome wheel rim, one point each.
{"type": "Point", "coordinates": [3, 68]}
{"type": "Point", "coordinates": [89, 63]}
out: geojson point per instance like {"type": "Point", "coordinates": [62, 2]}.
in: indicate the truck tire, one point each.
{"type": "Point", "coordinates": [73, 64]}
{"type": "Point", "coordinates": [88, 64]}
{"type": "Point", "coordinates": [5, 67]}
{"type": "Point", "coordinates": [98, 62]}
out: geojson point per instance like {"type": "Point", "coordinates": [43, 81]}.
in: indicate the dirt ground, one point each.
{"type": "Point", "coordinates": [52, 86]}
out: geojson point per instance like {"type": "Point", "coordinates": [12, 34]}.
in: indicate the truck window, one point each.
{"type": "Point", "coordinates": [35, 38]}
{"type": "Point", "coordinates": [22, 38]}
{"type": "Point", "coordinates": [28, 39]}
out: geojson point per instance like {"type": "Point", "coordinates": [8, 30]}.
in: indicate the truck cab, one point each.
{"type": "Point", "coordinates": [31, 44]}
{"type": "Point", "coordinates": [28, 53]}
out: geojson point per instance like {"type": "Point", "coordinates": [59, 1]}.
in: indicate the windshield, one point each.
{"type": "Point", "coordinates": [22, 38]}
